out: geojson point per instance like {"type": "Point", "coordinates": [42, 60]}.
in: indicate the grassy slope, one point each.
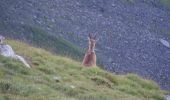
{"type": "Point", "coordinates": [162, 2]}
{"type": "Point", "coordinates": [165, 2]}
{"type": "Point", "coordinates": [74, 81]}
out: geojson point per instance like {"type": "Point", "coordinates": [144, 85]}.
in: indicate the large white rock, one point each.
{"type": "Point", "coordinates": [7, 51]}
{"type": "Point", "coordinates": [165, 43]}
{"type": "Point", "coordinates": [168, 97]}
{"type": "Point", "coordinates": [2, 37]}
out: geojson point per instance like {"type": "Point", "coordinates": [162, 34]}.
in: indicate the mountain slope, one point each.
{"type": "Point", "coordinates": [59, 78]}
{"type": "Point", "coordinates": [128, 30]}
{"type": "Point", "coordinates": [38, 37]}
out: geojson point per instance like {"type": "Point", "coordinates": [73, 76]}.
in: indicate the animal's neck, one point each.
{"type": "Point", "coordinates": [91, 48]}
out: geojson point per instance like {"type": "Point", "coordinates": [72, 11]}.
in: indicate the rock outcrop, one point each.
{"type": "Point", "coordinates": [168, 97]}
{"type": "Point", "coordinates": [7, 51]}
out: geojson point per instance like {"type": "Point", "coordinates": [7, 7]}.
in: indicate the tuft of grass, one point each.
{"type": "Point", "coordinates": [128, 1]}
{"type": "Point", "coordinates": [55, 77]}
{"type": "Point", "coordinates": [131, 1]}
{"type": "Point", "coordinates": [165, 2]}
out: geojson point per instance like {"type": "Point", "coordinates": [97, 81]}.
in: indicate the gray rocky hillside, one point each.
{"type": "Point", "coordinates": [133, 34]}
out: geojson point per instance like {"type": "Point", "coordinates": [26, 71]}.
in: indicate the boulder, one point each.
{"type": "Point", "coordinates": [7, 51]}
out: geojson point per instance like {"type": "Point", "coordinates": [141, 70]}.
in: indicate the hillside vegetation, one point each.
{"type": "Point", "coordinates": [54, 77]}
{"type": "Point", "coordinates": [38, 37]}
{"type": "Point", "coordinates": [165, 2]}
{"type": "Point", "coordinates": [128, 31]}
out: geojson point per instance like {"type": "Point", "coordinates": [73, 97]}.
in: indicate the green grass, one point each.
{"type": "Point", "coordinates": [165, 2]}
{"type": "Point", "coordinates": [128, 1]}
{"type": "Point", "coordinates": [54, 77]}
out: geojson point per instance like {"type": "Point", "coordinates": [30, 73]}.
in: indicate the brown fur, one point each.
{"type": "Point", "coordinates": [90, 56]}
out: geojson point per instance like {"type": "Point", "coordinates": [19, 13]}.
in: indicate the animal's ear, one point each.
{"type": "Point", "coordinates": [90, 36]}
{"type": "Point", "coordinates": [95, 36]}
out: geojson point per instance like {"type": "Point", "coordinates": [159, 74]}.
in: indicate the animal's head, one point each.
{"type": "Point", "coordinates": [92, 41]}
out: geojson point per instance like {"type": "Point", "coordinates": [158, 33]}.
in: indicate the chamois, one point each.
{"type": "Point", "coordinates": [90, 56]}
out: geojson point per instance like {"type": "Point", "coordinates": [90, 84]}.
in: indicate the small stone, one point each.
{"type": "Point", "coordinates": [110, 60]}
{"type": "Point", "coordinates": [57, 79]}
{"type": "Point", "coordinates": [22, 23]}
{"type": "Point", "coordinates": [165, 43]}
{"type": "Point", "coordinates": [72, 86]}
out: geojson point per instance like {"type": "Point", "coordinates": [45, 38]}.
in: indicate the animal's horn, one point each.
{"type": "Point", "coordinates": [90, 36]}
{"type": "Point", "coordinates": [95, 36]}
